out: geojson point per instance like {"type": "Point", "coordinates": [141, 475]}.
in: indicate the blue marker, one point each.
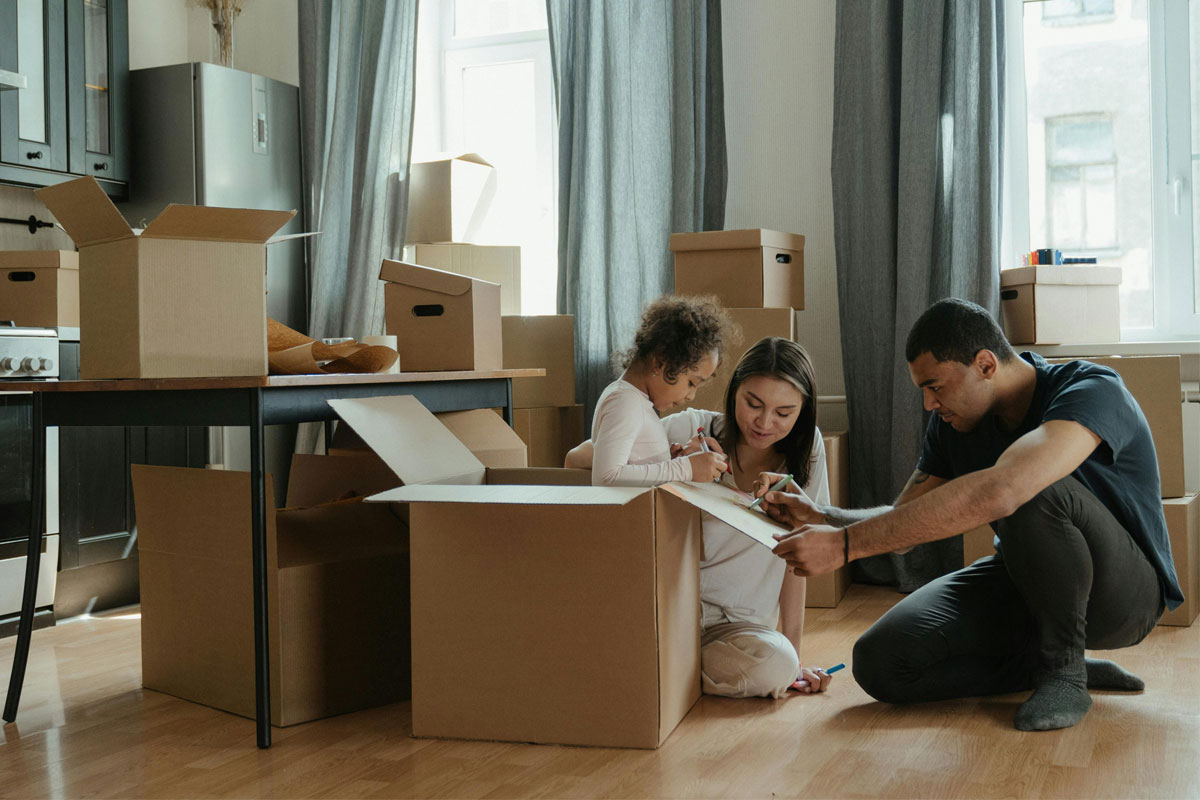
{"type": "Point", "coordinates": [834, 669]}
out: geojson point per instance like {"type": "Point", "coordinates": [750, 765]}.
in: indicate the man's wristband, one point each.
{"type": "Point", "coordinates": [846, 544]}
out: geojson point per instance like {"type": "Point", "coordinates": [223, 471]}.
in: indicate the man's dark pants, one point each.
{"type": "Point", "coordinates": [1069, 577]}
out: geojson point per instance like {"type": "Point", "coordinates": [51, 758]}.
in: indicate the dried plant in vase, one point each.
{"type": "Point", "coordinates": [223, 13]}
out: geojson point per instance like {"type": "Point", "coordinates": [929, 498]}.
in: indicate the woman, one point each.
{"type": "Point", "coordinates": [745, 590]}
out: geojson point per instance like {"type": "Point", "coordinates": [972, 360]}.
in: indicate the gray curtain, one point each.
{"type": "Point", "coordinates": [357, 61]}
{"type": "Point", "coordinates": [641, 138]}
{"type": "Point", "coordinates": [916, 195]}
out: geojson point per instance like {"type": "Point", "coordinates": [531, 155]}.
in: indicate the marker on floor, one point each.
{"type": "Point", "coordinates": [834, 669]}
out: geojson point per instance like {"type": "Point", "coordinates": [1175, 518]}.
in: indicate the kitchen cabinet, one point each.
{"type": "Point", "coordinates": [64, 83]}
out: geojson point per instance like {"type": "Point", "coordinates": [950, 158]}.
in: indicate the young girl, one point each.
{"type": "Point", "coordinates": [677, 348]}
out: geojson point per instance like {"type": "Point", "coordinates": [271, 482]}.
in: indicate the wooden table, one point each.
{"type": "Point", "coordinates": [254, 402]}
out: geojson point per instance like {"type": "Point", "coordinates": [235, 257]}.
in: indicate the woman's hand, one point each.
{"type": "Point", "coordinates": [792, 508]}
{"type": "Point", "coordinates": [708, 466]}
{"type": "Point", "coordinates": [766, 480]}
{"type": "Point", "coordinates": [812, 681]}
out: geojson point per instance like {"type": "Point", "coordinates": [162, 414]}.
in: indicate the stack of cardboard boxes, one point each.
{"type": "Point", "coordinates": [545, 414]}
{"type": "Point", "coordinates": [758, 275]}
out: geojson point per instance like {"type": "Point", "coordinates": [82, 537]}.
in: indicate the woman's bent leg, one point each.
{"type": "Point", "coordinates": [741, 659]}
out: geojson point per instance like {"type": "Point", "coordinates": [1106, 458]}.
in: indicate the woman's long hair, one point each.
{"type": "Point", "coordinates": [774, 357]}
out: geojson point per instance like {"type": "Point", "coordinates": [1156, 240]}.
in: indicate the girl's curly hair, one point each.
{"type": "Point", "coordinates": [679, 331]}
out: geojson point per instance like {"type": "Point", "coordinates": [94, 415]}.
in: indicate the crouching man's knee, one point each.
{"type": "Point", "coordinates": [875, 668]}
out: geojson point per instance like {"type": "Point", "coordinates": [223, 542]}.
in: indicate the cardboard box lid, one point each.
{"type": "Point", "coordinates": [1071, 275]}
{"type": "Point", "coordinates": [410, 440]}
{"type": "Point", "coordinates": [210, 223]}
{"type": "Point", "coordinates": [85, 211]}
{"type": "Point", "coordinates": [736, 240]}
{"type": "Point", "coordinates": [39, 259]}
{"type": "Point", "coordinates": [427, 278]}
{"type": "Point", "coordinates": [529, 495]}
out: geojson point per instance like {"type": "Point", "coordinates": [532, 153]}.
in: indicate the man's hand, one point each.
{"type": "Point", "coordinates": [811, 550]}
{"type": "Point", "coordinates": [793, 510]}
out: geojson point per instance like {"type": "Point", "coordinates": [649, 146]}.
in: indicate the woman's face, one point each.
{"type": "Point", "coordinates": [767, 409]}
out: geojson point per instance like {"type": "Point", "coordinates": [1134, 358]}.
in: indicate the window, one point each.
{"type": "Point", "coordinates": [484, 85]}
{"type": "Point", "coordinates": [1103, 147]}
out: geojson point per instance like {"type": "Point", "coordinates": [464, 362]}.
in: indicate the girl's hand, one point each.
{"type": "Point", "coordinates": [708, 466]}
{"type": "Point", "coordinates": [693, 446]}
{"type": "Point", "coordinates": [812, 681]}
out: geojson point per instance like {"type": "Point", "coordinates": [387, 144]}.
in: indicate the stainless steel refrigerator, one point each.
{"type": "Point", "coordinates": [208, 135]}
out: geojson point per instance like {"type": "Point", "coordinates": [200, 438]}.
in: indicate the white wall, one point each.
{"type": "Point", "coordinates": [778, 57]}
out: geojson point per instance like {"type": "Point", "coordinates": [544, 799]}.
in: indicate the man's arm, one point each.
{"type": "Point", "coordinates": [1039, 458]}
{"type": "Point", "coordinates": [919, 483]}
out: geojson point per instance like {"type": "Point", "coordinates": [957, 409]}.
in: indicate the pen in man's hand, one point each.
{"type": "Point", "coordinates": [782, 482]}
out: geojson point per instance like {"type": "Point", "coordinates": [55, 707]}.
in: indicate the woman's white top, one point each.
{"type": "Point", "coordinates": [629, 444]}
{"type": "Point", "coordinates": [739, 578]}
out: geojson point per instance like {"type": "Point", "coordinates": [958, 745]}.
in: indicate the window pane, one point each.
{"type": "Point", "coordinates": [490, 17]}
{"type": "Point", "coordinates": [1088, 104]}
{"type": "Point", "coordinates": [31, 62]}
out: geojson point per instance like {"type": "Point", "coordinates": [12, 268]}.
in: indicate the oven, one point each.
{"type": "Point", "coordinates": [26, 354]}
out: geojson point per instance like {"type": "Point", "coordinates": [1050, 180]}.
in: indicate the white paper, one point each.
{"type": "Point", "coordinates": [731, 507]}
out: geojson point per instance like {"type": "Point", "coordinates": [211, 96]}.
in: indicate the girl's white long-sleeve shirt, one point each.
{"type": "Point", "coordinates": [630, 446]}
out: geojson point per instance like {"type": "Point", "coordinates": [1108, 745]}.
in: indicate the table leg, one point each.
{"type": "Point", "coordinates": [258, 534]}
{"type": "Point", "coordinates": [32, 561]}
{"type": "Point", "coordinates": [508, 409]}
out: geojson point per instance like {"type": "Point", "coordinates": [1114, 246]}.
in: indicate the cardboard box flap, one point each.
{"type": "Point", "coordinates": [473, 158]}
{"type": "Point", "coordinates": [211, 223]}
{"type": "Point", "coordinates": [39, 259]}
{"type": "Point", "coordinates": [514, 495]}
{"type": "Point", "coordinates": [736, 240]}
{"type": "Point", "coordinates": [428, 278]}
{"type": "Point", "coordinates": [85, 212]}
{"type": "Point", "coordinates": [1071, 275]}
{"type": "Point", "coordinates": [729, 506]}
{"type": "Point", "coordinates": [488, 436]}
{"type": "Point", "coordinates": [410, 440]}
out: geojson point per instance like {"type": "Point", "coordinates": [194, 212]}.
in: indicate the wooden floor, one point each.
{"type": "Point", "coordinates": [87, 729]}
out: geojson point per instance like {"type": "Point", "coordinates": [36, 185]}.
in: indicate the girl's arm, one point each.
{"type": "Point", "coordinates": [619, 421]}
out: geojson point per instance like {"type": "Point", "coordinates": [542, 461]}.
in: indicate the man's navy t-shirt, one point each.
{"type": "Point", "coordinates": [1122, 471]}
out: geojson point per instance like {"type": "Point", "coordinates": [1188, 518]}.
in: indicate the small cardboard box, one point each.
{"type": "Point", "coordinates": [337, 589]}
{"type": "Point", "coordinates": [448, 199]}
{"type": "Point", "coordinates": [547, 342]}
{"type": "Point", "coordinates": [441, 321]}
{"type": "Point", "coordinates": [40, 288]}
{"type": "Point", "coordinates": [553, 588]}
{"type": "Point", "coordinates": [1183, 526]}
{"type": "Point", "coordinates": [1156, 384]}
{"type": "Point", "coordinates": [754, 324]}
{"type": "Point", "coordinates": [826, 591]}
{"type": "Point", "coordinates": [185, 298]}
{"type": "Point", "coordinates": [492, 263]}
{"type": "Point", "coordinates": [1061, 305]}
{"type": "Point", "coordinates": [753, 268]}
{"type": "Point", "coordinates": [549, 432]}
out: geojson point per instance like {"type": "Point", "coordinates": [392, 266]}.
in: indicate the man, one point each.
{"type": "Point", "coordinates": [1060, 460]}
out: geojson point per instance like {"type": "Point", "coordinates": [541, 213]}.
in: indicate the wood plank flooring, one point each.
{"type": "Point", "coordinates": [87, 729]}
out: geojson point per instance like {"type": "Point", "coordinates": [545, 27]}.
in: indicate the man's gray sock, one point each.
{"type": "Point", "coordinates": [1103, 674]}
{"type": "Point", "coordinates": [1059, 701]}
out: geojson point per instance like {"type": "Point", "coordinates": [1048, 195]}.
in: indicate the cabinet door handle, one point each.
{"type": "Point", "coordinates": [34, 154]}
{"type": "Point", "coordinates": [100, 166]}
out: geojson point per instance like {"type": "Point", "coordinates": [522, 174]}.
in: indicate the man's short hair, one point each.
{"type": "Point", "coordinates": [956, 330]}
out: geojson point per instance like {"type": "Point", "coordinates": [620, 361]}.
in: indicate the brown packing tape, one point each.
{"type": "Point", "coordinates": [290, 352]}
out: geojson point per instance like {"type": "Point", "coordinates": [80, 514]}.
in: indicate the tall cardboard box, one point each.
{"type": "Point", "coordinates": [1061, 304]}
{"type": "Point", "coordinates": [449, 198]}
{"type": "Point", "coordinates": [826, 591]}
{"type": "Point", "coordinates": [40, 288]}
{"type": "Point", "coordinates": [549, 432]}
{"type": "Point", "coordinates": [1156, 384]}
{"type": "Point", "coordinates": [1183, 526]}
{"type": "Point", "coordinates": [492, 263]}
{"type": "Point", "coordinates": [185, 298]}
{"type": "Point", "coordinates": [977, 543]}
{"type": "Point", "coordinates": [753, 324]}
{"type": "Point", "coordinates": [753, 268]}
{"type": "Point", "coordinates": [441, 321]}
{"type": "Point", "coordinates": [547, 342]}
{"type": "Point", "coordinates": [337, 588]}
{"type": "Point", "coordinates": [580, 586]}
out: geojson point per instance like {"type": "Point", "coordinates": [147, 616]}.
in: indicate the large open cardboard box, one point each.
{"type": "Point", "coordinates": [449, 198]}
{"type": "Point", "coordinates": [337, 587]}
{"type": "Point", "coordinates": [499, 264]}
{"type": "Point", "coordinates": [1061, 305]}
{"type": "Point", "coordinates": [441, 321]}
{"type": "Point", "coordinates": [185, 298]}
{"type": "Point", "coordinates": [580, 603]}
{"type": "Point", "coordinates": [40, 288]}
{"type": "Point", "coordinates": [547, 342]}
{"type": "Point", "coordinates": [754, 268]}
